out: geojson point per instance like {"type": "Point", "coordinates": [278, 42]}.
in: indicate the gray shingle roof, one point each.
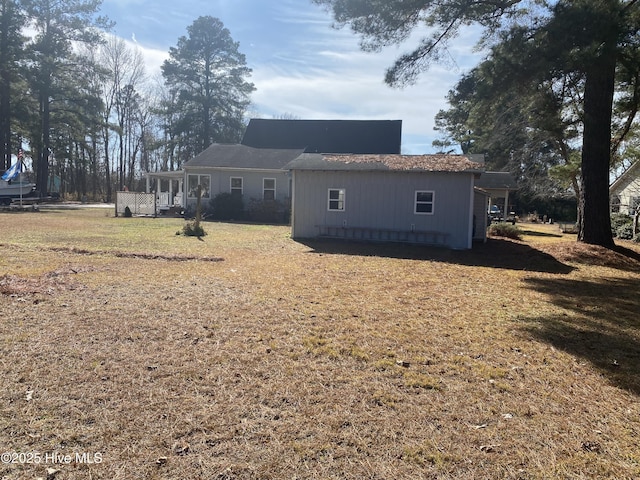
{"type": "Point", "coordinates": [242, 157]}
{"type": "Point", "coordinates": [326, 136]}
{"type": "Point", "coordinates": [497, 181]}
{"type": "Point", "coordinates": [398, 163]}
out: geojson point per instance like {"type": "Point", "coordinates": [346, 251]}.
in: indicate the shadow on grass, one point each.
{"type": "Point", "coordinates": [496, 253]}
{"type": "Point", "coordinates": [533, 233]}
{"type": "Point", "coordinates": [627, 252]}
{"type": "Point", "coordinates": [603, 329]}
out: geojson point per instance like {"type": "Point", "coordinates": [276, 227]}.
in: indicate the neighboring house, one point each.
{"type": "Point", "coordinates": [424, 199]}
{"type": "Point", "coordinates": [326, 136]}
{"type": "Point", "coordinates": [624, 193]}
{"type": "Point", "coordinates": [253, 173]}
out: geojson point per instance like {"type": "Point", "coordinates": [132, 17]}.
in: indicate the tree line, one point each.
{"type": "Point", "coordinates": [80, 103]}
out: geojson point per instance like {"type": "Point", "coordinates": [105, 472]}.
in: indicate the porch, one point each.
{"type": "Point", "coordinates": [167, 198]}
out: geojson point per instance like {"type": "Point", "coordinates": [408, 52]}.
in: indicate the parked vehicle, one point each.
{"type": "Point", "coordinates": [14, 189]}
{"type": "Point", "coordinates": [495, 214]}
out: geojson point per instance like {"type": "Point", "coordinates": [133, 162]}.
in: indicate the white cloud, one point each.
{"type": "Point", "coordinates": [302, 66]}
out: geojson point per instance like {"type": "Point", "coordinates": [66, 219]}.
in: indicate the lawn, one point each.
{"type": "Point", "coordinates": [130, 352]}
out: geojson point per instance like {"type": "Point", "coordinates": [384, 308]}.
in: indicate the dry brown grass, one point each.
{"type": "Point", "coordinates": [319, 360]}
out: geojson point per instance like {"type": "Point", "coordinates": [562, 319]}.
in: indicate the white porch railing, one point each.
{"type": "Point", "coordinates": [164, 199]}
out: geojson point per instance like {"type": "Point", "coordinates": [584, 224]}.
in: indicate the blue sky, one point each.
{"type": "Point", "coordinates": [301, 65]}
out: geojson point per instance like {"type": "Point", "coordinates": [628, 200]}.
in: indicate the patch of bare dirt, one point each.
{"type": "Point", "coordinates": [47, 284]}
{"type": "Point", "coordinates": [142, 255]}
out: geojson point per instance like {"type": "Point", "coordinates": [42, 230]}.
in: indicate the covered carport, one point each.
{"type": "Point", "coordinates": [498, 186]}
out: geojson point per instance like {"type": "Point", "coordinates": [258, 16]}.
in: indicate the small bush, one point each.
{"type": "Point", "coordinates": [619, 220]}
{"type": "Point", "coordinates": [505, 230]}
{"type": "Point", "coordinates": [267, 211]}
{"type": "Point", "coordinates": [193, 229]}
{"type": "Point", "coordinates": [226, 206]}
{"type": "Point", "coordinates": [625, 232]}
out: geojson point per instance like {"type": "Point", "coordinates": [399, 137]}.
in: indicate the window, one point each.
{"type": "Point", "coordinates": [424, 203]}
{"type": "Point", "coordinates": [204, 181]}
{"type": "Point", "coordinates": [268, 188]}
{"type": "Point", "coordinates": [336, 199]}
{"type": "Point", "coordinates": [236, 185]}
{"type": "Point", "coordinates": [615, 204]}
{"type": "Point", "coordinates": [634, 205]}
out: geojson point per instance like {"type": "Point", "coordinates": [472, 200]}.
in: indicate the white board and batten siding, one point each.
{"type": "Point", "coordinates": [480, 217]}
{"type": "Point", "coordinates": [385, 201]}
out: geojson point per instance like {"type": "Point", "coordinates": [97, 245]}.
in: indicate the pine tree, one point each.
{"type": "Point", "coordinates": [588, 36]}
{"type": "Point", "coordinates": [207, 71]}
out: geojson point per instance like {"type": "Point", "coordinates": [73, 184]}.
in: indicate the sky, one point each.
{"type": "Point", "coordinates": [302, 67]}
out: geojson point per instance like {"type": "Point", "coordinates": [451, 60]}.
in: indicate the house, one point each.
{"type": "Point", "coordinates": [253, 173]}
{"type": "Point", "coordinates": [326, 136]}
{"type": "Point", "coordinates": [423, 199]}
{"type": "Point", "coordinates": [267, 145]}
{"type": "Point", "coordinates": [624, 193]}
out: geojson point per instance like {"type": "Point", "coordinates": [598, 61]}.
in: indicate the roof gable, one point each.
{"type": "Point", "coordinates": [242, 157]}
{"type": "Point", "coordinates": [326, 136]}
{"type": "Point", "coordinates": [626, 179]}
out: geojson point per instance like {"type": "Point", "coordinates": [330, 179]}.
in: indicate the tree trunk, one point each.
{"type": "Point", "coordinates": [5, 89]}
{"type": "Point", "coordinates": [595, 218]}
{"type": "Point", "coordinates": [42, 175]}
{"type": "Point", "coordinates": [5, 121]}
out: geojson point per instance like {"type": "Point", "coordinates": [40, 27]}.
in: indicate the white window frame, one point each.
{"type": "Point", "coordinates": [417, 202]}
{"type": "Point", "coordinates": [342, 199]}
{"type": "Point", "coordinates": [231, 188]}
{"type": "Point", "coordinates": [206, 187]}
{"type": "Point", "coordinates": [265, 189]}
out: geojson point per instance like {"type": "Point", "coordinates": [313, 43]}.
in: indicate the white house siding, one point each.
{"type": "Point", "coordinates": [628, 192]}
{"type": "Point", "coordinates": [252, 183]}
{"type": "Point", "coordinates": [384, 200]}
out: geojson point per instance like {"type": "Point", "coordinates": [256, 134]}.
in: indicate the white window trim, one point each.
{"type": "Point", "coordinates": [342, 191]}
{"type": "Point", "coordinates": [231, 189]}
{"type": "Point", "coordinates": [415, 202]}
{"type": "Point", "coordinates": [274, 190]}
{"type": "Point", "coordinates": [199, 175]}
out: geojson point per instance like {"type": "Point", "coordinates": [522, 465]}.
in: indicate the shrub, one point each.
{"type": "Point", "coordinates": [619, 220]}
{"type": "Point", "coordinates": [625, 232]}
{"type": "Point", "coordinates": [226, 206]}
{"type": "Point", "coordinates": [193, 229]}
{"type": "Point", "coordinates": [267, 211]}
{"type": "Point", "coordinates": [505, 230]}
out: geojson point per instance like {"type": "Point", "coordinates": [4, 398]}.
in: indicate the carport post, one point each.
{"type": "Point", "coordinates": [506, 205]}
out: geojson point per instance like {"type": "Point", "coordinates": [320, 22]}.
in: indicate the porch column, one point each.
{"type": "Point", "coordinates": [148, 184]}
{"type": "Point", "coordinates": [506, 205]}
